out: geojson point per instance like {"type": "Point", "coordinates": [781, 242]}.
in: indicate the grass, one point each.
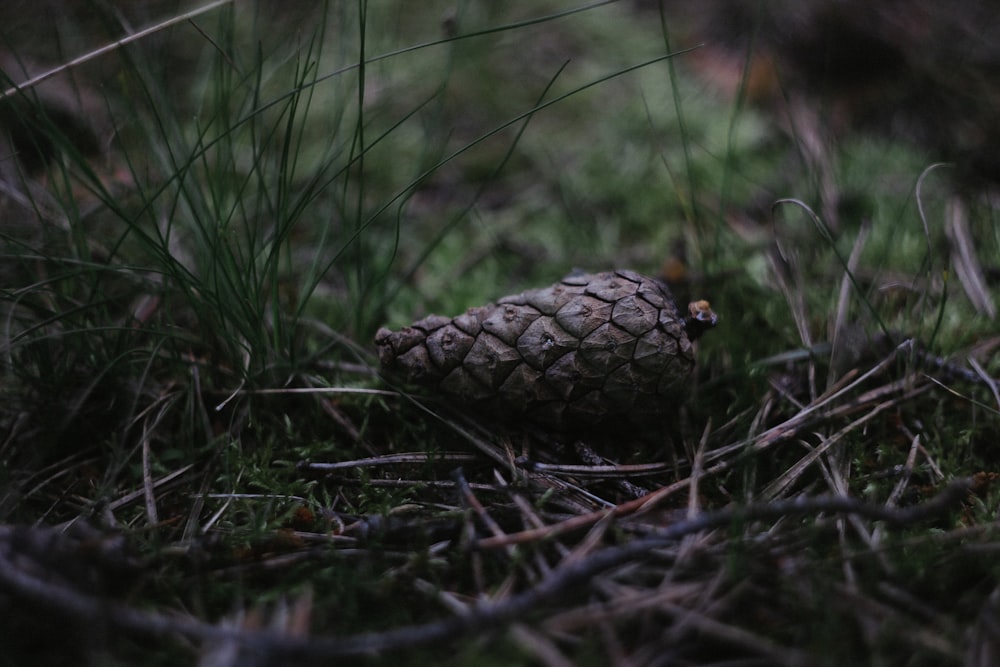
{"type": "Point", "coordinates": [196, 435]}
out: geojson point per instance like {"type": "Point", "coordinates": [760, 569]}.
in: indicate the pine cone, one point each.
{"type": "Point", "coordinates": [586, 350]}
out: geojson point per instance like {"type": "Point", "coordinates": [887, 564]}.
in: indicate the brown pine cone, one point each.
{"type": "Point", "coordinates": [589, 349]}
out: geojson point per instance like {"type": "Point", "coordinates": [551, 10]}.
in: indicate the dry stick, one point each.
{"type": "Point", "coordinates": [847, 283]}
{"type": "Point", "coordinates": [147, 478]}
{"type": "Point", "coordinates": [690, 544]}
{"type": "Point", "coordinates": [504, 458]}
{"type": "Point", "coordinates": [411, 483]}
{"type": "Point", "coordinates": [531, 518]}
{"type": "Point", "coordinates": [732, 635]}
{"type": "Point", "coordinates": [108, 48]}
{"type": "Point", "coordinates": [545, 651]}
{"type": "Point", "coordinates": [589, 543]}
{"type": "Point", "coordinates": [629, 601]}
{"type": "Point", "coordinates": [386, 459]}
{"type": "Point", "coordinates": [614, 470]}
{"type": "Point", "coordinates": [591, 458]}
{"type": "Point", "coordinates": [927, 635]}
{"type": "Point", "coordinates": [342, 420]}
{"type": "Point", "coordinates": [813, 411]}
{"type": "Point", "coordinates": [470, 500]}
{"type": "Point", "coordinates": [965, 259]}
{"type": "Point", "coordinates": [712, 598]}
{"type": "Point", "coordinates": [778, 432]}
{"type": "Point", "coordinates": [904, 478]}
{"type": "Point", "coordinates": [530, 515]}
{"type": "Point", "coordinates": [697, 466]}
{"type": "Point", "coordinates": [336, 391]}
{"type": "Point", "coordinates": [135, 495]}
{"type": "Point", "coordinates": [920, 609]}
{"type": "Point", "coordinates": [875, 539]}
{"type": "Point", "coordinates": [789, 477]}
{"type": "Point", "coordinates": [987, 380]}
{"type": "Point", "coordinates": [772, 436]}
{"type": "Point", "coordinates": [482, 616]}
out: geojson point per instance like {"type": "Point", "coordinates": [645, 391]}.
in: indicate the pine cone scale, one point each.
{"type": "Point", "coordinates": [634, 315]}
{"type": "Point", "coordinates": [544, 341]}
{"type": "Point", "coordinates": [547, 300]}
{"type": "Point", "coordinates": [607, 347]}
{"type": "Point", "coordinates": [611, 287]}
{"type": "Point", "coordinates": [448, 346]}
{"type": "Point", "coordinates": [508, 321]}
{"type": "Point", "coordinates": [491, 360]}
{"type": "Point", "coordinates": [583, 314]}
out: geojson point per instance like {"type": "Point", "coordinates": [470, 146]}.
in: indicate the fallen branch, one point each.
{"type": "Point", "coordinates": [484, 616]}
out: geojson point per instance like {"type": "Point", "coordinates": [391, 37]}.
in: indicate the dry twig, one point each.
{"type": "Point", "coordinates": [483, 616]}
